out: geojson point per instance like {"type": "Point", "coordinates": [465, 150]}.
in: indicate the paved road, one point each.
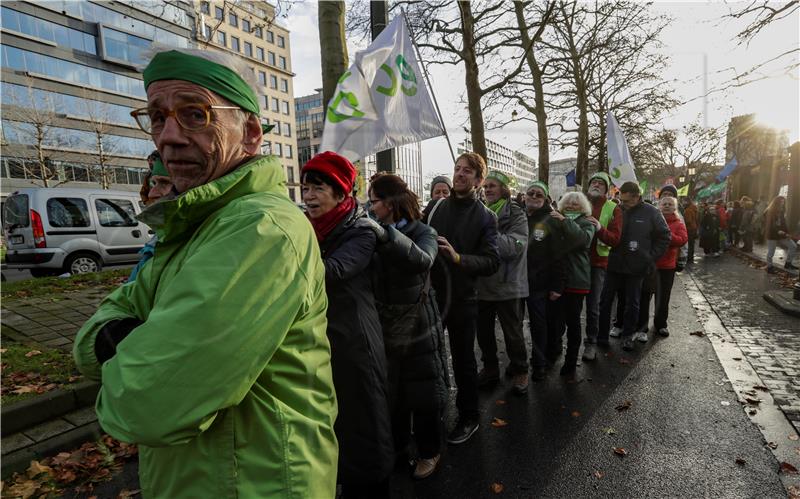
{"type": "Point", "coordinates": [14, 275]}
{"type": "Point", "coordinates": [683, 432]}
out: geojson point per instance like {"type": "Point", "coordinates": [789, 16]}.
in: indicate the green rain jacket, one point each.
{"type": "Point", "coordinates": [226, 385]}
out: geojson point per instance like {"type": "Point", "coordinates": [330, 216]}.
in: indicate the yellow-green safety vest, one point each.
{"type": "Point", "coordinates": [606, 215]}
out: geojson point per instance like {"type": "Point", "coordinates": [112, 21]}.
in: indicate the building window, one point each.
{"type": "Point", "coordinates": [284, 85]}
{"type": "Point", "coordinates": [233, 19]}
{"type": "Point", "coordinates": [273, 82]}
{"type": "Point", "coordinates": [121, 46]}
{"type": "Point", "coordinates": [39, 28]}
{"type": "Point", "coordinates": [205, 8]}
{"type": "Point", "coordinates": [292, 195]}
{"type": "Point", "coordinates": [278, 149]}
{"type": "Point", "coordinates": [271, 58]}
{"type": "Point", "coordinates": [266, 147]}
{"type": "Point", "coordinates": [289, 155]}
{"type": "Point", "coordinates": [219, 13]}
{"type": "Point", "coordinates": [270, 36]}
{"type": "Point", "coordinates": [248, 49]}
{"type": "Point", "coordinates": [260, 54]}
{"type": "Point", "coordinates": [275, 105]}
{"type": "Point", "coordinates": [221, 38]}
{"type": "Point", "coordinates": [207, 32]}
{"type": "Point", "coordinates": [287, 130]}
{"type": "Point", "coordinates": [281, 41]}
{"type": "Point", "coordinates": [245, 25]}
{"type": "Point", "coordinates": [259, 32]}
{"type": "Point", "coordinates": [282, 62]}
{"type": "Point", "coordinates": [265, 98]}
{"type": "Point", "coordinates": [234, 44]}
{"type": "Point", "coordinates": [277, 129]}
{"type": "Point", "coordinates": [262, 78]}
{"type": "Point", "coordinates": [289, 169]}
{"type": "Point", "coordinates": [285, 107]}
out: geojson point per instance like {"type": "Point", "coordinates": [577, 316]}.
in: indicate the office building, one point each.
{"type": "Point", "coordinates": [515, 163]}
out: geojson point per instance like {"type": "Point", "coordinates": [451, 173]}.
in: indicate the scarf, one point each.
{"type": "Point", "coordinates": [498, 205]}
{"type": "Point", "coordinates": [324, 224]}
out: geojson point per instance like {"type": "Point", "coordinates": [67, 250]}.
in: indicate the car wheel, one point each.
{"type": "Point", "coordinates": [82, 263]}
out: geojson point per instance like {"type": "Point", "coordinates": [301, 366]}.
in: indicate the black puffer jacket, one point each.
{"type": "Point", "coordinates": [414, 350]}
{"type": "Point", "coordinates": [775, 223]}
{"type": "Point", "coordinates": [546, 270]}
{"type": "Point", "coordinates": [358, 360]}
{"type": "Point", "coordinates": [645, 237]}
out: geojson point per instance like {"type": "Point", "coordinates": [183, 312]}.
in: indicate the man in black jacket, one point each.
{"type": "Point", "coordinates": [468, 249]}
{"type": "Point", "coordinates": [645, 237]}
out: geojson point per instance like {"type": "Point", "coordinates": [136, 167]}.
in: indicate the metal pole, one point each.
{"type": "Point", "coordinates": [379, 18]}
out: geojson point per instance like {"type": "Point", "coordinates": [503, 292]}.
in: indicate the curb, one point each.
{"type": "Point", "coordinates": [20, 460]}
{"type": "Point", "coordinates": [751, 256]}
{"type": "Point", "coordinates": [783, 301]}
{"type": "Point", "coordinates": [50, 405]}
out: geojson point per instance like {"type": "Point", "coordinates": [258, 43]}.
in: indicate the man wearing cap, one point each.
{"type": "Point", "coordinates": [215, 359]}
{"type": "Point", "coordinates": [501, 294]}
{"type": "Point", "coordinates": [607, 219]}
{"type": "Point", "coordinates": [468, 249]}
{"type": "Point", "coordinates": [157, 184]}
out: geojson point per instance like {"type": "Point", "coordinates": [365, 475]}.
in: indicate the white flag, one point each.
{"type": "Point", "coordinates": [620, 164]}
{"type": "Point", "coordinates": [381, 101]}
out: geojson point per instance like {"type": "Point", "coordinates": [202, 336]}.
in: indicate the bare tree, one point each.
{"type": "Point", "coordinates": [333, 46]}
{"type": "Point", "coordinates": [761, 14]}
{"type": "Point", "coordinates": [105, 143]}
{"type": "Point", "coordinates": [281, 9]}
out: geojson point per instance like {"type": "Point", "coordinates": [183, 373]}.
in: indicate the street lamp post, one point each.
{"type": "Point", "coordinates": [379, 18]}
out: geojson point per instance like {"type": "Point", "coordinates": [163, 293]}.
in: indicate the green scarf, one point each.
{"type": "Point", "coordinates": [175, 65]}
{"type": "Point", "coordinates": [572, 215]}
{"type": "Point", "coordinates": [498, 205]}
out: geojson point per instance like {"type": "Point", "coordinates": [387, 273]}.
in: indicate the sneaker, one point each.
{"type": "Point", "coordinates": [488, 376]}
{"type": "Point", "coordinates": [462, 432]}
{"type": "Point", "coordinates": [426, 467]}
{"type": "Point", "coordinates": [615, 332]}
{"type": "Point", "coordinates": [641, 336]}
{"type": "Point", "coordinates": [589, 352]}
{"type": "Point", "coordinates": [627, 344]}
{"type": "Point", "coordinates": [663, 332]}
{"type": "Point", "coordinates": [520, 382]}
{"type": "Point", "coordinates": [538, 374]}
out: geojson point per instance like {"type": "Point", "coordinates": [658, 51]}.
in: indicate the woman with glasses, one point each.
{"type": "Point", "coordinates": [412, 331]}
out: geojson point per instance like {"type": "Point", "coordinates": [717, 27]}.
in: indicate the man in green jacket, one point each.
{"type": "Point", "coordinates": [215, 359]}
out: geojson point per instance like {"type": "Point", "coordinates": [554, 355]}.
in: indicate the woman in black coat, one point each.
{"type": "Point", "coordinates": [412, 330]}
{"type": "Point", "coordinates": [358, 361]}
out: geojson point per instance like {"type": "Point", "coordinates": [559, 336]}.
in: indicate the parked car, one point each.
{"type": "Point", "coordinates": [55, 230]}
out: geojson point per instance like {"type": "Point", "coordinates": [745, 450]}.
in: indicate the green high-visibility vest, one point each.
{"type": "Point", "coordinates": [606, 215]}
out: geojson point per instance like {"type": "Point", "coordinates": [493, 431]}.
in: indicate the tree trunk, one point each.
{"type": "Point", "coordinates": [333, 46]}
{"type": "Point", "coordinates": [43, 170]}
{"type": "Point", "coordinates": [103, 175]}
{"type": "Point", "coordinates": [539, 110]}
{"type": "Point", "coordinates": [602, 152]}
{"type": "Point", "coordinates": [472, 80]}
{"type": "Point", "coordinates": [581, 172]}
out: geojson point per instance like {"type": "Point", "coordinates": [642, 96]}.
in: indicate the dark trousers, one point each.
{"type": "Point", "coordinates": [555, 329]}
{"type": "Point", "coordinates": [510, 313]}
{"type": "Point", "coordinates": [572, 306]}
{"type": "Point", "coordinates": [461, 325]}
{"type": "Point", "coordinates": [619, 312]}
{"type": "Point", "coordinates": [692, 240]}
{"type": "Point", "coordinates": [633, 287]}
{"type": "Point", "coordinates": [593, 305]}
{"type": "Point", "coordinates": [643, 322]}
{"type": "Point", "coordinates": [366, 490]}
{"type": "Point", "coordinates": [537, 315]}
{"type": "Point", "coordinates": [747, 239]}
{"type": "Point", "coordinates": [428, 431]}
{"type": "Point", "coordinates": [665, 280]}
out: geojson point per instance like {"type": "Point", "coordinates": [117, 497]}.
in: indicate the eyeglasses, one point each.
{"type": "Point", "coordinates": [190, 117]}
{"type": "Point", "coordinates": [535, 195]}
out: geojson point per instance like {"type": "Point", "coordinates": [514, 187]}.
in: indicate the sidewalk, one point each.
{"type": "Point", "coordinates": [779, 260]}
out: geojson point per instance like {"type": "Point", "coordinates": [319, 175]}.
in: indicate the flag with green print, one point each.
{"type": "Point", "coordinates": [620, 164]}
{"type": "Point", "coordinates": [382, 100]}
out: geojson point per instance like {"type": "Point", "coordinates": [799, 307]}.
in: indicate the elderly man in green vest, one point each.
{"type": "Point", "coordinates": [215, 359]}
{"type": "Point", "coordinates": [607, 218]}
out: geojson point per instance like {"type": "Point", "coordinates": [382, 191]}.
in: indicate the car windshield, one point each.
{"type": "Point", "coordinates": [16, 212]}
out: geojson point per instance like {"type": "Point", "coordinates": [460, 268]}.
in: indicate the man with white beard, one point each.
{"type": "Point", "coordinates": [607, 218]}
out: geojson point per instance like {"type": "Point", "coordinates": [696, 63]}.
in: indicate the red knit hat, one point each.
{"type": "Point", "coordinates": [338, 168]}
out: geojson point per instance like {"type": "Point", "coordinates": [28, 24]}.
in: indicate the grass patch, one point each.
{"type": "Point", "coordinates": [28, 371]}
{"type": "Point", "coordinates": [45, 286]}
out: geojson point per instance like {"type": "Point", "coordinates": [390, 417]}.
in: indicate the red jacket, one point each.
{"type": "Point", "coordinates": [679, 237]}
{"type": "Point", "coordinates": [723, 217]}
{"type": "Point", "coordinates": [608, 235]}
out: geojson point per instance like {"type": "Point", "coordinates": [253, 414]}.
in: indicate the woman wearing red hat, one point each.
{"type": "Point", "coordinates": [347, 240]}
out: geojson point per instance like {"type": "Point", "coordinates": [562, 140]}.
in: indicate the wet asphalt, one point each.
{"type": "Point", "coordinates": [683, 432]}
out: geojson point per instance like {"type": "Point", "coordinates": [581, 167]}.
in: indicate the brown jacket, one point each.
{"type": "Point", "coordinates": [690, 218]}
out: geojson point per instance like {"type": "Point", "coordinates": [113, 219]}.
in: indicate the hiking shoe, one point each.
{"type": "Point", "coordinates": [663, 332]}
{"type": "Point", "coordinates": [641, 336]}
{"type": "Point", "coordinates": [589, 352]}
{"type": "Point", "coordinates": [488, 376]}
{"type": "Point", "coordinates": [462, 432]}
{"type": "Point", "coordinates": [538, 374]}
{"type": "Point", "coordinates": [615, 332]}
{"type": "Point", "coordinates": [520, 382]}
{"type": "Point", "coordinates": [426, 467]}
{"type": "Point", "coordinates": [627, 344]}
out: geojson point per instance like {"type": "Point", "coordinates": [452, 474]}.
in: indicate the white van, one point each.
{"type": "Point", "coordinates": [57, 230]}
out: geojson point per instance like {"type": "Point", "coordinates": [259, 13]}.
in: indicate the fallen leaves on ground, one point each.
{"type": "Point", "coordinates": [740, 461]}
{"type": "Point", "coordinates": [620, 451]}
{"type": "Point", "coordinates": [499, 423]}
{"type": "Point", "coordinates": [752, 401]}
{"type": "Point", "coordinates": [599, 474]}
{"type": "Point", "coordinates": [81, 469]}
{"type": "Point", "coordinates": [624, 406]}
{"type": "Point", "coordinates": [793, 437]}
{"type": "Point", "coordinates": [761, 387]}
{"type": "Point", "coordinates": [125, 493]}
{"type": "Point", "coordinates": [499, 402]}
{"type": "Point", "coordinates": [725, 403]}
{"type": "Point", "coordinates": [33, 353]}
{"type": "Point", "coordinates": [736, 358]}
{"type": "Point", "coordinates": [697, 333]}
{"type": "Point", "coordinates": [772, 445]}
{"type": "Point", "coordinates": [575, 414]}
{"type": "Point", "coordinates": [609, 431]}
{"type": "Point", "coordinates": [27, 372]}
{"type": "Point", "coordinates": [794, 492]}
{"type": "Point", "coordinates": [496, 487]}
{"type": "Point", "coordinates": [752, 412]}
{"type": "Point", "coordinates": [788, 469]}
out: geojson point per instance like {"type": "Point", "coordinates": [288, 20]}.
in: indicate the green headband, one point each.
{"type": "Point", "coordinates": [501, 177]}
{"type": "Point", "coordinates": [539, 185]}
{"type": "Point", "coordinates": [175, 65]}
{"type": "Point", "coordinates": [159, 168]}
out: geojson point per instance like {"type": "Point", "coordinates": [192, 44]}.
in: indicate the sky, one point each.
{"type": "Point", "coordinates": [697, 30]}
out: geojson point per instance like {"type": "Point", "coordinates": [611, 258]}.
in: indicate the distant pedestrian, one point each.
{"type": "Point", "coordinates": [724, 219]}
{"type": "Point", "coordinates": [748, 224]}
{"type": "Point", "coordinates": [709, 231]}
{"type": "Point", "coordinates": [666, 265]}
{"type": "Point", "coordinates": [546, 277]}
{"type": "Point", "coordinates": [440, 189]}
{"type": "Point", "coordinates": [578, 234]}
{"type": "Point", "coordinates": [157, 185]}
{"type": "Point", "coordinates": [502, 294]}
{"type": "Point", "coordinates": [645, 237]}
{"type": "Point", "coordinates": [468, 249]}
{"type": "Point", "coordinates": [734, 223]}
{"type": "Point", "coordinates": [691, 219]}
{"type": "Point", "coordinates": [777, 233]}
{"type": "Point", "coordinates": [412, 329]}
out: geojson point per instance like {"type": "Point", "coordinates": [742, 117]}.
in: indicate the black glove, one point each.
{"type": "Point", "coordinates": [112, 333]}
{"type": "Point", "coordinates": [380, 232]}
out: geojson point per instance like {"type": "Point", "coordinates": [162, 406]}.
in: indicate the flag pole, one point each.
{"type": "Point", "coordinates": [428, 82]}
